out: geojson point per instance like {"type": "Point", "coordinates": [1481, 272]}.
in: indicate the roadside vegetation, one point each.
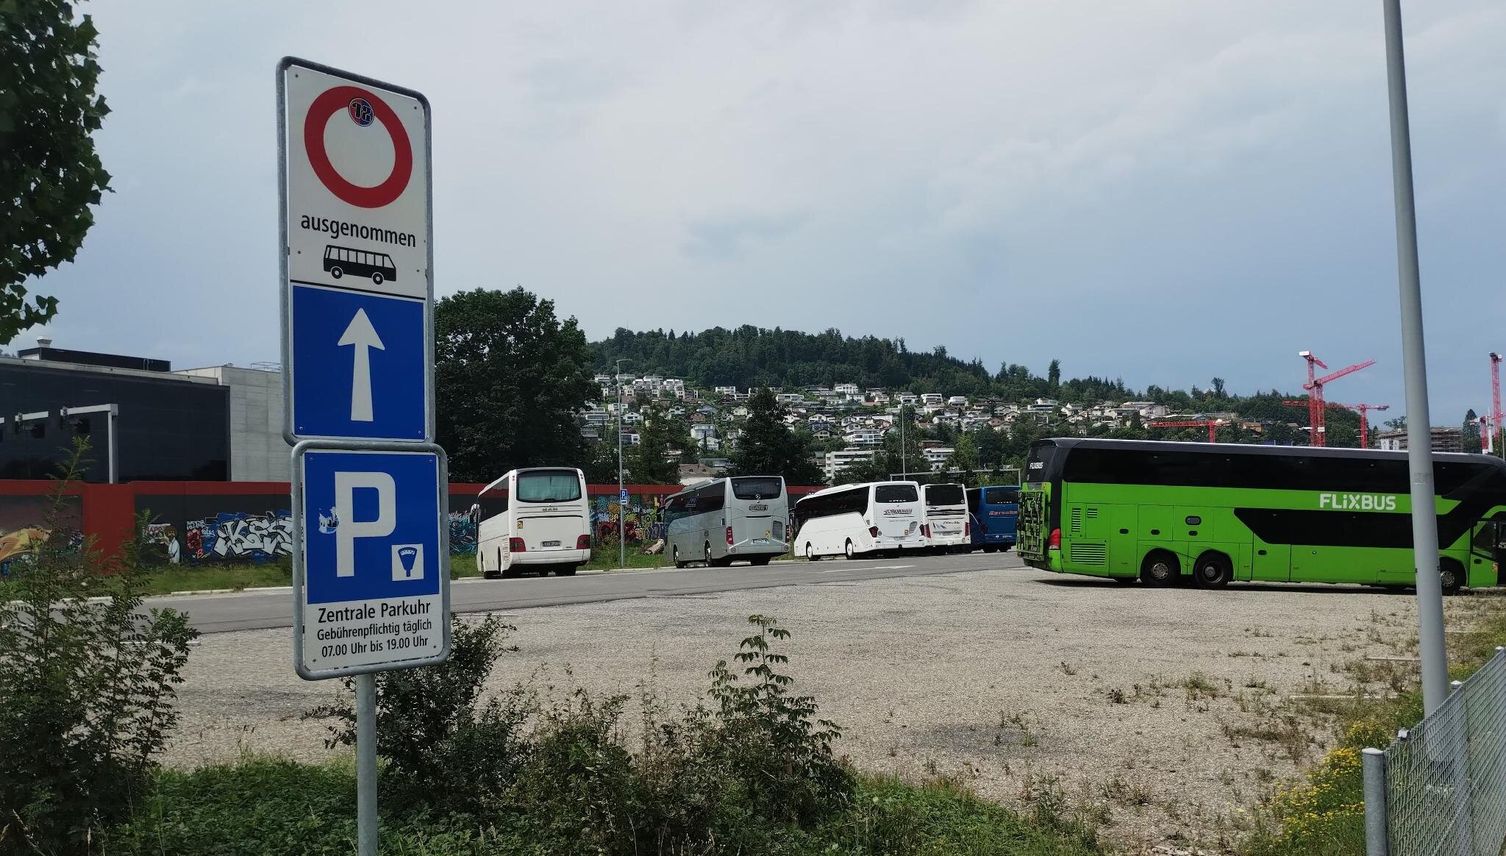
{"type": "Point", "coordinates": [749, 768]}
{"type": "Point", "coordinates": [1323, 813]}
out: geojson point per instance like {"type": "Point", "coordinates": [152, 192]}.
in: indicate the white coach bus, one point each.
{"type": "Point", "coordinates": [544, 523]}
{"type": "Point", "coordinates": [945, 525]}
{"type": "Point", "coordinates": [852, 520]}
{"type": "Point", "coordinates": [720, 521]}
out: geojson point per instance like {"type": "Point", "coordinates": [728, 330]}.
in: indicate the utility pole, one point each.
{"type": "Point", "coordinates": [1434, 657]}
{"type": "Point", "coordinates": [904, 472]}
{"type": "Point", "coordinates": [621, 506]}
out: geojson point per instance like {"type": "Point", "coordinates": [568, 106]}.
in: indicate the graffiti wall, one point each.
{"type": "Point", "coordinates": [641, 520]}
{"type": "Point", "coordinates": [226, 528]}
{"type": "Point", "coordinates": [27, 522]}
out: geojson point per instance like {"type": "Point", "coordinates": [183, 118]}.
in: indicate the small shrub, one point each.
{"type": "Point", "coordinates": [443, 752]}
{"type": "Point", "coordinates": [86, 690]}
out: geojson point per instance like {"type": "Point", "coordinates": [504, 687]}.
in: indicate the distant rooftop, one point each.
{"type": "Point", "coordinates": [44, 352]}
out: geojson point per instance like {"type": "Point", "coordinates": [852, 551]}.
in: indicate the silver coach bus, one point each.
{"type": "Point", "coordinates": [726, 519]}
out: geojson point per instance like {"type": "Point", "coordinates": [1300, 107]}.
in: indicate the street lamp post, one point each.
{"type": "Point", "coordinates": [904, 471]}
{"type": "Point", "coordinates": [621, 506]}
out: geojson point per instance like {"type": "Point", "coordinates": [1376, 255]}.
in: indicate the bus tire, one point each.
{"type": "Point", "coordinates": [1160, 568]}
{"type": "Point", "coordinates": [1451, 576]}
{"type": "Point", "coordinates": [336, 272]}
{"type": "Point", "coordinates": [376, 277]}
{"type": "Point", "coordinates": [674, 553]}
{"type": "Point", "coordinates": [1213, 570]}
{"type": "Point", "coordinates": [810, 553]}
{"type": "Point", "coordinates": [847, 550]}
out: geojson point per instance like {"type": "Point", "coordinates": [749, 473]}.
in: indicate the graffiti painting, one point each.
{"type": "Point", "coordinates": [24, 527]}
{"type": "Point", "coordinates": [240, 536]}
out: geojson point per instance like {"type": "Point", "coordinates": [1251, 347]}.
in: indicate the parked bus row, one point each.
{"type": "Point", "coordinates": [1167, 513]}
{"type": "Point", "coordinates": [542, 522]}
{"type": "Point", "coordinates": [891, 517]}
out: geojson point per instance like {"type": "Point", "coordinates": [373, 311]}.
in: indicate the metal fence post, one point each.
{"type": "Point", "coordinates": [1377, 842]}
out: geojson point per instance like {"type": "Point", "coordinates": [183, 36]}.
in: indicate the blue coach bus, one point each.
{"type": "Point", "coordinates": [994, 510]}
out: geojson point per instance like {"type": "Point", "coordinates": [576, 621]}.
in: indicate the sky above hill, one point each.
{"type": "Point", "coordinates": [1159, 191]}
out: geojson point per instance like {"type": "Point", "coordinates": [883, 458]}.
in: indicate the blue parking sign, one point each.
{"type": "Point", "coordinates": [373, 584]}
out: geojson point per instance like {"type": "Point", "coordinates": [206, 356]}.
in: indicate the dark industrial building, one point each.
{"type": "Point", "coordinates": [166, 426]}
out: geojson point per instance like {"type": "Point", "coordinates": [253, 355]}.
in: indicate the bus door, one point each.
{"type": "Point", "coordinates": [1487, 552]}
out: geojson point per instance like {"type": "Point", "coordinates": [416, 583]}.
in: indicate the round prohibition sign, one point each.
{"type": "Point", "coordinates": [339, 99]}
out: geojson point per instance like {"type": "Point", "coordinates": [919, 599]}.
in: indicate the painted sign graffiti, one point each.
{"type": "Point", "coordinates": [240, 536]}
{"type": "Point", "coordinates": [640, 522]}
{"type": "Point", "coordinates": [28, 522]}
{"type": "Point", "coordinates": [462, 533]}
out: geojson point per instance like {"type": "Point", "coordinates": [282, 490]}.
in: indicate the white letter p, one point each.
{"type": "Point", "coordinates": [349, 529]}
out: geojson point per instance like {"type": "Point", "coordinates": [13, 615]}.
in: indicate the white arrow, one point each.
{"type": "Point", "coordinates": [364, 337]}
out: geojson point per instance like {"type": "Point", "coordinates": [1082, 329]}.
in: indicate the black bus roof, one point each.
{"type": "Point", "coordinates": [1258, 450]}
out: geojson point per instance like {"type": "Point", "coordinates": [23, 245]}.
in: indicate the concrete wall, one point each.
{"type": "Point", "coordinates": [257, 450]}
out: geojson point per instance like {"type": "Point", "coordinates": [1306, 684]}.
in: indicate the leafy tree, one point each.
{"type": "Point", "coordinates": [964, 455]}
{"type": "Point", "coordinates": [49, 171]}
{"type": "Point", "coordinates": [661, 440]}
{"type": "Point", "coordinates": [1470, 433]}
{"type": "Point", "coordinates": [1054, 376]}
{"type": "Point", "coordinates": [1218, 387]}
{"type": "Point", "coordinates": [510, 378]}
{"type": "Point", "coordinates": [769, 447]}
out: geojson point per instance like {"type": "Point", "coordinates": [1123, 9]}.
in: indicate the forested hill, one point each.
{"type": "Point", "coordinates": [750, 356]}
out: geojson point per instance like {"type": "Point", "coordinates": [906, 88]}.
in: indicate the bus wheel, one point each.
{"type": "Point", "coordinates": [1213, 570]}
{"type": "Point", "coordinates": [376, 277]}
{"type": "Point", "coordinates": [1451, 575]}
{"type": "Point", "coordinates": [848, 549]}
{"type": "Point", "coordinates": [674, 553]}
{"type": "Point", "coordinates": [1160, 568]}
{"type": "Point", "coordinates": [336, 272]}
{"type": "Point", "coordinates": [810, 554]}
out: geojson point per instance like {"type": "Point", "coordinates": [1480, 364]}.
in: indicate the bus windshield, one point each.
{"type": "Point", "coordinates": [890, 493]}
{"type": "Point", "coordinates": [1001, 495]}
{"type": "Point", "coordinates": [943, 494]}
{"type": "Point", "coordinates": [759, 487]}
{"type": "Point", "coordinates": [548, 486]}
{"type": "Point", "coordinates": [1038, 467]}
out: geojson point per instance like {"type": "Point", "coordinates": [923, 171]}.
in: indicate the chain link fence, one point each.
{"type": "Point", "coordinates": [1440, 789]}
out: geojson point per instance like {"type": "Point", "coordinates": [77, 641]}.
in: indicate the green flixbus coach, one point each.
{"type": "Point", "coordinates": [1211, 513]}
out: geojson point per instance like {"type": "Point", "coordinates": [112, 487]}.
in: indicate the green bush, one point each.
{"type": "Point", "coordinates": [86, 691]}
{"type": "Point", "coordinates": [442, 752]}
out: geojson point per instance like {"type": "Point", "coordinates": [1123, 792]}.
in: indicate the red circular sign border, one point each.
{"type": "Point", "coordinates": [332, 101]}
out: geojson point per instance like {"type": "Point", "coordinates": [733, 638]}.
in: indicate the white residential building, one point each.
{"type": "Point", "coordinates": [838, 461]}
{"type": "Point", "coordinates": [937, 456]}
{"type": "Point", "coordinates": [865, 437]}
{"type": "Point", "coordinates": [957, 401]}
{"type": "Point", "coordinates": [931, 398]}
{"type": "Point", "coordinates": [846, 388]}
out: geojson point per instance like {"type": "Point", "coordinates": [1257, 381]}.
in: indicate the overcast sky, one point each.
{"type": "Point", "coordinates": [1161, 191]}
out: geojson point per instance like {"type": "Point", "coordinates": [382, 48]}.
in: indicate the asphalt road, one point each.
{"type": "Point", "coordinates": [272, 608]}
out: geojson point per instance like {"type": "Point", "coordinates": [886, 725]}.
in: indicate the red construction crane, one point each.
{"type": "Point", "coordinates": [1363, 410]}
{"type": "Point", "coordinates": [1211, 424]}
{"type": "Point", "coordinates": [1317, 426]}
{"type": "Point", "coordinates": [1495, 400]}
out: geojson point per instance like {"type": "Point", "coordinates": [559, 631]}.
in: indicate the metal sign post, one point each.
{"type": "Point", "coordinates": [371, 582]}
{"type": "Point", "coordinates": [1434, 657]}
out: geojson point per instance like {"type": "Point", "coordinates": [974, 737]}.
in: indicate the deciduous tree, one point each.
{"type": "Point", "coordinates": [511, 379]}
{"type": "Point", "coordinates": [770, 447]}
{"type": "Point", "coordinates": [49, 171]}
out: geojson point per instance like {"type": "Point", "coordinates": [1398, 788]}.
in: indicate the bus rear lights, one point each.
{"type": "Point", "coordinates": [729, 536]}
{"type": "Point", "coordinates": [583, 542]}
{"type": "Point", "coordinates": [967, 529]}
{"type": "Point", "coordinates": [925, 529]}
{"type": "Point", "coordinates": [1055, 541]}
{"type": "Point", "coordinates": [873, 531]}
{"type": "Point", "coordinates": [516, 545]}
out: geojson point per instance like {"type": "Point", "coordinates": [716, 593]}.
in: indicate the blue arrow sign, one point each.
{"type": "Point", "coordinates": [359, 365]}
{"type": "Point", "coordinates": [374, 572]}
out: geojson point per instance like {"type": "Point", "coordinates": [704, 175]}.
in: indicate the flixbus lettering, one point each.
{"type": "Point", "coordinates": [1357, 501]}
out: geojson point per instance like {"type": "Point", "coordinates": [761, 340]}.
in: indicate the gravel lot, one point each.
{"type": "Point", "coordinates": [1166, 710]}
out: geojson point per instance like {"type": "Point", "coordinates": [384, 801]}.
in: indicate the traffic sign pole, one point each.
{"type": "Point", "coordinates": [371, 579]}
